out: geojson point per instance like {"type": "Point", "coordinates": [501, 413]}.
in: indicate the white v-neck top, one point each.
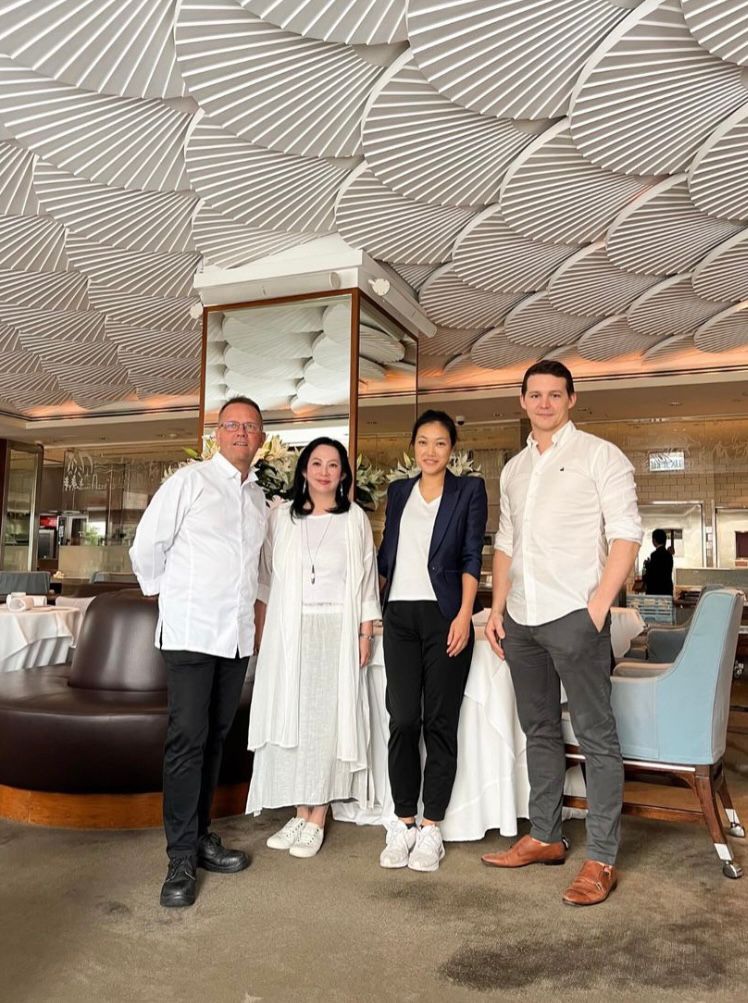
{"type": "Point", "coordinates": [410, 579]}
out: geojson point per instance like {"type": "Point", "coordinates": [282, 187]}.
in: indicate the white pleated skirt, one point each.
{"type": "Point", "coordinates": [310, 773]}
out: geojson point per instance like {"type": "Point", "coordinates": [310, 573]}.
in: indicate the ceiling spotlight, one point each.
{"type": "Point", "coordinates": [380, 287]}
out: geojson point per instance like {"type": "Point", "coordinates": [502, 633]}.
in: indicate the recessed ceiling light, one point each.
{"type": "Point", "coordinates": [674, 403]}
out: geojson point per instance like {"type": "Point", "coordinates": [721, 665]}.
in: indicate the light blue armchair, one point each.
{"type": "Point", "coordinates": [672, 718]}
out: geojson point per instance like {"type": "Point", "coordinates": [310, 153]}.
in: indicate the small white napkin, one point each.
{"type": "Point", "coordinates": [19, 601]}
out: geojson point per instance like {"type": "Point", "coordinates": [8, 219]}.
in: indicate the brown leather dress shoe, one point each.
{"type": "Point", "coordinates": [593, 884]}
{"type": "Point", "coordinates": [527, 851]}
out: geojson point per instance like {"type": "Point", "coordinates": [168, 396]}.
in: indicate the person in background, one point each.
{"type": "Point", "coordinates": [198, 548]}
{"type": "Point", "coordinates": [309, 721]}
{"type": "Point", "coordinates": [658, 567]}
{"type": "Point", "coordinates": [569, 532]}
{"type": "Point", "coordinates": [430, 563]}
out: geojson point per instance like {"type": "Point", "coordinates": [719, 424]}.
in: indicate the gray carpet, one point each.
{"type": "Point", "coordinates": [80, 920]}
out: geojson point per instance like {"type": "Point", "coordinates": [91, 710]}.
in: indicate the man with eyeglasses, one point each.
{"type": "Point", "coordinates": [198, 548]}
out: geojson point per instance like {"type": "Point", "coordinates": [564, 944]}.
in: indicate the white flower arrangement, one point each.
{"type": "Point", "coordinates": [461, 464]}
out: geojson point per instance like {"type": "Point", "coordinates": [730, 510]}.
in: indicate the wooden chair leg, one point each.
{"type": "Point", "coordinates": [736, 829]}
{"type": "Point", "coordinates": [707, 799]}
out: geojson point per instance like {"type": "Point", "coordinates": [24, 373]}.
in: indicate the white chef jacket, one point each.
{"type": "Point", "coordinates": [560, 510]}
{"type": "Point", "coordinates": [198, 547]}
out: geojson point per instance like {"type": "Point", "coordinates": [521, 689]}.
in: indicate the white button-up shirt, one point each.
{"type": "Point", "coordinates": [198, 547]}
{"type": "Point", "coordinates": [560, 510]}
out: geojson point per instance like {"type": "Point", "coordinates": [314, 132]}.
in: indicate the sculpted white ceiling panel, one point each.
{"type": "Point", "coordinates": [721, 26]}
{"type": "Point", "coordinates": [490, 255]}
{"type": "Point", "coordinates": [274, 88]}
{"type": "Point", "coordinates": [166, 368]}
{"type": "Point", "coordinates": [650, 94]}
{"type": "Point", "coordinates": [610, 339]}
{"type": "Point", "coordinates": [154, 344]}
{"type": "Point", "coordinates": [69, 358]}
{"type": "Point", "coordinates": [663, 233]}
{"type": "Point", "coordinates": [536, 322]}
{"type": "Point", "coordinates": [139, 221]}
{"type": "Point", "coordinates": [32, 243]}
{"type": "Point", "coordinates": [113, 46]}
{"type": "Point", "coordinates": [168, 275]}
{"type": "Point", "coordinates": [669, 347]}
{"type": "Point", "coordinates": [133, 309]}
{"type": "Point", "coordinates": [148, 386]}
{"type": "Point", "coordinates": [124, 142]}
{"type": "Point", "coordinates": [36, 327]}
{"type": "Point", "coordinates": [356, 22]}
{"type": "Point", "coordinates": [55, 290]}
{"type": "Point", "coordinates": [291, 346]}
{"type": "Point", "coordinates": [453, 303]}
{"type": "Point", "coordinates": [551, 192]}
{"type": "Point", "coordinates": [31, 390]}
{"type": "Point", "coordinates": [17, 196]}
{"type": "Point", "coordinates": [389, 226]}
{"type": "Point", "coordinates": [248, 365]}
{"type": "Point", "coordinates": [588, 283]}
{"type": "Point", "coordinates": [722, 275]}
{"type": "Point", "coordinates": [718, 176]}
{"type": "Point", "coordinates": [96, 396]}
{"type": "Point", "coordinates": [425, 147]}
{"type": "Point", "coordinates": [227, 244]}
{"type": "Point", "coordinates": [728, 330]}
{"type": "Point", "coordinates": [244, 181]}
{"type": "Point", "coordinates": [511, 58]}
{"type": "Point", "coordinates": [449, 341]}
{"type": "Point", "coordinates": [494, 351]}
{"type": "Point", "coordinates": [414, 275]}
{"type": "Point", "coordinates": [669, 308]}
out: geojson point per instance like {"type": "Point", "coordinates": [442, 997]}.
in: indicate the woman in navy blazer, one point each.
{"type": "Point", "coordinates": [429, 563]}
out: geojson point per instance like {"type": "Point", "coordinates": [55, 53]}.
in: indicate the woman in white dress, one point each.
{"type": "Point", "coordinates": [309, 722]}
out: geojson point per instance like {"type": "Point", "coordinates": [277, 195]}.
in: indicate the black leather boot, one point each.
{"type": "Point", "coordinates": [180, 886]}
{"type": "Point", "coordinates": [212, 855]}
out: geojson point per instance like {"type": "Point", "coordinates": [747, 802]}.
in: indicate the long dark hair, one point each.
{"type": "Point", "coordinates": [299, 493]}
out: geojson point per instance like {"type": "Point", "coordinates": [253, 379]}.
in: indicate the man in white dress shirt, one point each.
{"type": "Point", "coordinates": [569, 532]}
{"type": "Point", "coordinates": [198, 548]}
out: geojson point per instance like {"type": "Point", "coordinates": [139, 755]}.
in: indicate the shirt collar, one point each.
{"type": "Point", "coordinates": [558, 437]}
{"type": "Point", "coordinates": [228, 469]}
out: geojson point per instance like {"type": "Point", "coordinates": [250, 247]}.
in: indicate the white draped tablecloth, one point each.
{"type": "Point", "coordinates": [491, 789]}
{"type": "Point", "coordinates": [35, 637]}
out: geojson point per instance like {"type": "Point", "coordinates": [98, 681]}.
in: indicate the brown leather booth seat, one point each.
{"type": "Point", "coordinates": [98, 725]}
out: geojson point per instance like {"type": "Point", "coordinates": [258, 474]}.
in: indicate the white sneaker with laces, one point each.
{"type": "Point", "coordinates": [285, 838]}
{"type": "Point", "coordinates": [309, 842]}
{"type": "Point", "coordinates": [400, 842]}
{"type": "Point", "coordinates": [428, 851]}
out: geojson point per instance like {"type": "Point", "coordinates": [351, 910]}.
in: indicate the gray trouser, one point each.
{"type": "Point", "coordinates": [569, 651]}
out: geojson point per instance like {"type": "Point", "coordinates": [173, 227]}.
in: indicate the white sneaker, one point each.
{"type": "Point", "coordinates": [309, 842]}
{"type": "Point", "coordinates": [400, 841]}
{"type": "Point", "coordinates": [428, 851]}
{"type": "Point", "coordinates": [285, 838]}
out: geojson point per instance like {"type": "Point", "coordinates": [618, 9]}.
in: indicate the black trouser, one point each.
{"type": "Point", "coordinates": [424, 689]}
{"type": "Point", "coordinates": [204, 693]}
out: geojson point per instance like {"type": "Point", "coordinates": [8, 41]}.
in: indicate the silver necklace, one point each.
{"type": "Point", "coordinates": [313, 560]}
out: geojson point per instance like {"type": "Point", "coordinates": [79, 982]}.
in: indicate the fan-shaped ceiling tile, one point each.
{"type": "Point", "coordinates": [425, 147]}
{"type": "Point", "coordinates": [722, 276]}
{"type": "Point", "coordinates": [244, 181]}
{"type": "Point", "coordinates": [670, 346]}
{"type": "Point", "coordinates": [721, 26]}
{"type": "Point", "coordinates": [551, 192]}
{"type": "Point", "coordinates": [319, 376]}
{"type": "Point", "coordinates": [414, 275]}
{"type": "Point", "coordinates": [154, 311]}
{"type": "Point", "coordinates": [379, 346]}
{"type": "Point", "coordinates": [31, 390]}
{"type": "Point", "coordinates": [726, 331]}
{"type": "Point", "coordinates": [92, 376]}
{"type": "Point", "coordinates": [392, 227]}
{"type": "Point", "coordinates": [32, 243]}
{"type": "Point", "coordinates": [249, 365]}
{"type": "Point", "coordinates": [355, 22]}
{"type": "Point", "coordinates": [294, 318]}
{"type": "Point", "coordinates": [150, 386]}
{"type": "Point", "coordinates": [490, 255]}
{"type": "Point", "coordinates": [307, 393]}
{"type": "Point", "coordinates": [167, 368]}
{"type": "Point", "coordinates": [100, 45]}
{"type": "Point", "coordinates": [36, 327]}
{"type": "Point", "coordinates": [663, 233]}
{"type": "Point", "coordinates": [453, 303]}
{"type": "Point", "coordinates": [610, 339]}
{"type": "Point", "coordinates": [718, 178]}
{"type": "Point", "coordinates": [139, 221]}
{"type": "Point", "coordinates": [290, 346]}
{"type": "Point", "coordinates": [19, 362]}
{"type": "Point", "coordinates": [512, 58]}
{"type": "Point", "coordinates": [125, 142]}
{"type": "Point", "coordinates": [650, 94]}
{"type": "Point", "coordinates": [589, 284]}
{"type": "Point", "coordinates": [227, 244]}
{"type": "Point", "coordinates": [67, 358]}
{"type": "Point", "coordinates": [305, 96]}
{"type": "Point", "coordinates": [669, 308]}
{"type": "Point", "coordinates": [17, 196]}
{"type": "Point", "coordinates": [494, 351]}
{"type": "Point", "coordinates": [56, 290]}
{"type": "Point", "coordinates": [169, 275]}
{"type": "Point", "coordinates": [536, 322]}
{"type": "Point", "coordinates": [154, 344]}
{"type": "Point", "coordinates": [449, 341]}
{"type": "Point", "coordinates": [95, 396]}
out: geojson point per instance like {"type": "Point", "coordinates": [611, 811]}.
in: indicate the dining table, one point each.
{"type": "Point", "coordinates": [35, 637]}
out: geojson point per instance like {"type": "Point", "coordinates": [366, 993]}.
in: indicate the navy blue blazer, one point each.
{"type": "Point", "coordinates": [456, 542]}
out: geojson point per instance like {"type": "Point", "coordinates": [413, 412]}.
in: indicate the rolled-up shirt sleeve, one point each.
{"type": "Point", "coordinates": [504, 539]}
{"type": "Point", "coordinates": [614, 476]}
{"type": "Point", "coordinates": [157, 531]}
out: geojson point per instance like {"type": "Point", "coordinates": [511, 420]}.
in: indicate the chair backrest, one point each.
{"type": "Point", "coordinates": [124, 577]}
{"type": "Point", "coordinates": [664, 642]}
{"type": "Point", "coordinates": [33, 583]}
{"type": "Point", "coordinates": [115, 649]}
{"type": "Point", "coordinates": [693, 697]}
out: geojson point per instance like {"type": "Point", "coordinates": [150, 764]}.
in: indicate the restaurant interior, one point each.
{"type": "Point", "coordinates": [351, 211]}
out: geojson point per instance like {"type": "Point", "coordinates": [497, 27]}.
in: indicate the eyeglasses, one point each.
{"type": "Point", "coordinates": [250, 427]}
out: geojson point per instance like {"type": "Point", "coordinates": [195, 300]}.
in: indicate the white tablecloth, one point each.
{"type": "Point", "coordinates": [40, 636]}
{"type": "Point", "coordinates": [626, 624]}
{"type": "Point", "coordinates": [74, 602]}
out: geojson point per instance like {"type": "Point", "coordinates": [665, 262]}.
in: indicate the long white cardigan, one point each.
{"type": "Point", "coordinates": [274, 716]}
